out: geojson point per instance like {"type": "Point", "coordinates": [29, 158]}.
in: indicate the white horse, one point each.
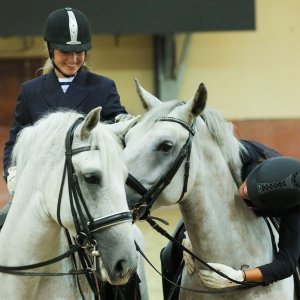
{"type": "Point", "coordinates": [33, 231]}
{"type": "Point", "coordinates": [220, 226]}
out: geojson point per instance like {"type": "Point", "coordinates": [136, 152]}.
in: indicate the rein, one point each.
{"type": "Point", "coordinates": [244, 285]}
{"type": "Point", "coordinates": [17, 269]}
{"type": "Point", "coordinates": [175, 285]}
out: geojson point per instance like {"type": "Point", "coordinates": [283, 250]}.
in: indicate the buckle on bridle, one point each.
{"type": "Point", "coordinates": [140, 212]}
{"type": "Point", "coordinates": [84, 242]}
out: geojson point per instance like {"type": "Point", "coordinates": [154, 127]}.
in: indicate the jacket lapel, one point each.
{"type": "Point", "coordinates": [52, 91]}
{"type": "Point", "coordinates": [77, 91]}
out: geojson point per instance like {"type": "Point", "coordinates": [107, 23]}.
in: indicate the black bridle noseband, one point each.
{"type": "Point", "coordinates": [144, 205]}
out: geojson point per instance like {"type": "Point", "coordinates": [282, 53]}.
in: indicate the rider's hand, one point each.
{"type": "Point", "coordinates": [123, 117]}
{"type": "Point", "coordinates": [11, 179]}
{"type": "Point", "coordinates": [188, 259]}
{"type": "Point", "coordinates": [213, 280]}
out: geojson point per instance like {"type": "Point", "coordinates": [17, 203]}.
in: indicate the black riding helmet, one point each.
{"type": "Point", "coordinates": [275, 184]}
{"type": "Point", "coordinates": [68, 30]}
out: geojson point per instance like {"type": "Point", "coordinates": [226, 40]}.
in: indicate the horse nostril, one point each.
{"type": "Point", "coordinates": [121, 269]}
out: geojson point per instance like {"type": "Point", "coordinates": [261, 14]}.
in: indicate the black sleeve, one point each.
{"type": "Point", "coordinates": [22, 119]}
{"type": "Point", "coordinates": [285, 261]}
{"type": "Point", "coordinates": [113, 105]}
{"type": "Point", "coordinates": [255, 154]}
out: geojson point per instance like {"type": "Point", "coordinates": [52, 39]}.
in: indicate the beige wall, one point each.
{"type": "Point", "coordinates": [249, 75]}
{"type": "Point", "coordinates": [123, 59]}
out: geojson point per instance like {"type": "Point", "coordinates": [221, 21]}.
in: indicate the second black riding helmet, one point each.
{"type": "Point", "coordinates": [275, 184]}
{"type": "Point", "coordinates": [68, 30]}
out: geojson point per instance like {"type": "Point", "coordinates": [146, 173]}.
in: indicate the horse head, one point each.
{"type": "Point", "coordinates": [152, 145]}
{"type": "Point", "coordinates": [84, 172]}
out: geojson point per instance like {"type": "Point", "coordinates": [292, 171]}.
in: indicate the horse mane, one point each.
{"type": "Point", "coordinates": [222, 132]}
{"type": "Point", "coordinates": [46, 138]}
{"type": "Point", "coordinates": [43, 137]}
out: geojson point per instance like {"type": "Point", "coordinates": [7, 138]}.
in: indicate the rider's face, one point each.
{"type": "Point", "coordinates": [68, 62]}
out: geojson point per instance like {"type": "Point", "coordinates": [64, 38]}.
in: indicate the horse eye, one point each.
{"type": "Point", "coordinates": [92, 179]}
{"type": "Point", "coordinates": [165, 146]}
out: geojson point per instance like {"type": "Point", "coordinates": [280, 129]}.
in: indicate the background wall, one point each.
{"type": "Point", "coordinates": [255, 74]}
{"type": "Point", "coordinates": [249, 75]}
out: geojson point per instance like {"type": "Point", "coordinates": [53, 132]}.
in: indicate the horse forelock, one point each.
{"type": "Point", "coordinates": [110, 148]}
{"type": "Point", "coordinates": [162, 110]}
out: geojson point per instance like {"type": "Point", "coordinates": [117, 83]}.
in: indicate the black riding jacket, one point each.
{"type": "Point", "coordinates": [44, 94]}
{"type": "Point", "coordinates": [286, 259]}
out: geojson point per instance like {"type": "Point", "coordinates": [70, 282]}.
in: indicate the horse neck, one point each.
{"type": "Point", "coordinates": [216, 218]}
{"type": "Point", "coordinates": [29, 237]}
{"type": "Point", "coordinates": [29, 234]}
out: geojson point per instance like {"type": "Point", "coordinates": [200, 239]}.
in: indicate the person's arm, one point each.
{"type": "Point", "coordinates": [286, 259]}
{"type": "Point", "coordinates": [112, 107]}
{"type": "Point", "coordinates": [283, 265]}
{"type": "Point", "coordinates": [21, 119]}
{"type": "Point", "coordinates": [212, 279]}
{"type": "Point", "coordinates": [253, 275]}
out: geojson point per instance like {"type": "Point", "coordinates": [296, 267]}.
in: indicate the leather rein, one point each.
{"type": "Point", "coordinates": [85, 224]}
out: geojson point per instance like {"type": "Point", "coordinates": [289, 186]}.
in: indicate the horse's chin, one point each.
{"type": "Point", "coordinates": [120, 281]}
{"type": "Point", "coordinates": [101, 271]}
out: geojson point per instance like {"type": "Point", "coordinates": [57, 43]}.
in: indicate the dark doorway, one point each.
{"type": "Point", "coordinates": [12, 73]}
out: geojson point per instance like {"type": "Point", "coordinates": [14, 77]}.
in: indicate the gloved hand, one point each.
{"type": "Point", "coordinates": [188, 259]}
{"type": "Point", "coordinates": [213, 280]}
{"type": "Point", "coordinates": [11, 179]}
{"type": "Point", "coordinates": [123, 117]}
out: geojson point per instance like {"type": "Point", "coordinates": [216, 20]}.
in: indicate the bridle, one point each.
{"type": "Point", "coordinates": [144, 205]}
{"type": "Point", "coordinates": [85, 224]}
{"type": "Point", "coordinates": [142, 208]}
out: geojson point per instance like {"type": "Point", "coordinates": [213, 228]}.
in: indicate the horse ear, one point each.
{"type": "Point", "coordinates": [121, 128]}
{"type": "Point", "coordinates": [148, 100]}
{"type": "Point", "coordinates": [199, 101]}
{"type": "Point", "coordinates": [90, 122]}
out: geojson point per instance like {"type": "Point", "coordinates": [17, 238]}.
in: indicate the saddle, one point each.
{"type": "Point", "coordinates": [172, 264]}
